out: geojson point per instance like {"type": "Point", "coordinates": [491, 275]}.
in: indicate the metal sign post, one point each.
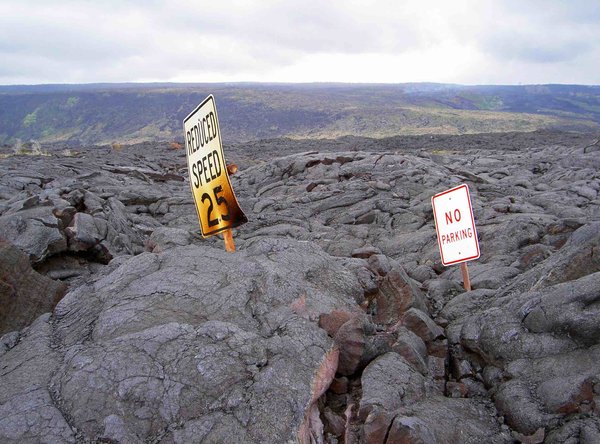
{"type": "Point", "coordinates": [455, 227]}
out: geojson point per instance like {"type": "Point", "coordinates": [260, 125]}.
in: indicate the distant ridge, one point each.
{"type": "Point", "coordinates": [104, 113]}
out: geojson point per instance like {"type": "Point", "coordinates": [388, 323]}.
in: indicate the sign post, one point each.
{"type": "Point", "coordinates": [455, 227]}
{"type": "Point", "coordinates": [217, 207]}
{"type": "Point", "coordinates": [465, 275]}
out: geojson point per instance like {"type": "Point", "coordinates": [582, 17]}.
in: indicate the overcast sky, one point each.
{"type": "Point", "coordinates": [395, 41]}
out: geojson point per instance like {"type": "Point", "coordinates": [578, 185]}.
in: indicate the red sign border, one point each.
{"type": "Point", "coordinates": [464, 185]}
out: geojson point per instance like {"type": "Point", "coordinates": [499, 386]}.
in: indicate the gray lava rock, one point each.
{"type": "Point", "coordinates": [35, 231]}
{"type": "Point", "coordinates": [164, 238]}
{"type": "Point", "coordinates": [24, 293]}
{"type": "Point", "coordinates": [584, 431]}
{"type": "Point", "coordinates": [195, 344]}
{"type": "Point", "coordinates": [395, 409]}
{"type": "Point", "coordinates": [390, 382]}
{"type": "Point", "coordinates": [439, 420]}
{"type": "Point", "coordinates": [28, 411]}
{"type": "Point", "coordinates": [85, 232]}
{"type": "Point", "coordinates": [536, 338]}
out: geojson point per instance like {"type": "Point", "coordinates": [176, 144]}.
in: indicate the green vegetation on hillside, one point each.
{"type": "Point", "coordinates": [132, 113]}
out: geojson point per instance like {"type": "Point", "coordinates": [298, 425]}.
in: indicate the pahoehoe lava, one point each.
{"type": "Point", "coordinates": [334, 322]}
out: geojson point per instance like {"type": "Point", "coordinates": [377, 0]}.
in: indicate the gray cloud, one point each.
{"type": "Point", "coordinates": [85, 41]}
{"type": "Point", "coordinates": [536, 49]}
{"type": "Point", "coordinates": [574, 12]}
{"type": "Point", "coordinates": [543, 31]}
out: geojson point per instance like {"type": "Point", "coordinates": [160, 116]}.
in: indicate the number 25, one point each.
{"type": "Point", "coordinates": [220, 201]}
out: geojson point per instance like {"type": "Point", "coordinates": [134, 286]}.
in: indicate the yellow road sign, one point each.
{"type": "Point", "coordinates": [217, 206]}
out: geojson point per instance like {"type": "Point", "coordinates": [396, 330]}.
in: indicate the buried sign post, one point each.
{"type": "Point", "coordinates": [455, 227]}
{"type": "Point", "coordinates": [217, 207]}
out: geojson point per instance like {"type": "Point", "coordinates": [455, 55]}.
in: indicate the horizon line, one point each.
{"type": "Point", "coordinates": [315, 83]}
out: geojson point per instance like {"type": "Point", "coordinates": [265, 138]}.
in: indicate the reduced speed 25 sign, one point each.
{"type": "Point", "coordinates": [217, 206]}
{"type": "Point", "coordinates": [455, 225]}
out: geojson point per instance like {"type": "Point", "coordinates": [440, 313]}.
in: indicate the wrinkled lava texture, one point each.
{"type": "Point", "coordinates": [333, 322]}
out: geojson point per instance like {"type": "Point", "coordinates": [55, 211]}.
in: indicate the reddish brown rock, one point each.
{"type": "Point", "coordinates": [334, 424]}
{"type": "Point", "coordinates": [331, 322]}
{"type": "Point", "coordinates": [312, 426]}
{"type": "Point", "coordinates": [582, 396]}
{"type": "Point", "coordinates": [422, 325]}
{"type": "Point", "coordinates": [350, 339]}
{"type": "Point", "coordinates": [533, 255]}
{"type": "Point", "coordinates": [412, 348]}
{"type": "Point", "coordinates": [438, 348]}
{"type": "Point", "coordinates": [396, 295]}
{"type": "Point", "coordinates": [376, 426]}
{"type": "Point", "coordinates": [339, 386]}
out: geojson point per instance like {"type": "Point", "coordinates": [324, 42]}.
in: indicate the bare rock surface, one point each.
{"type": "Point", "coordinates": [334, 322]}
{"type": "Point", "coordinates": [189, 345]}
{"type": "Point", "coordinates": [29, 411]}
{"type": "Point", "coordinates": [24, 293]}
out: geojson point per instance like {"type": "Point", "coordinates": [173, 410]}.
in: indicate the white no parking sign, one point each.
{"type": "Point", "coordinates": [455, 225]}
